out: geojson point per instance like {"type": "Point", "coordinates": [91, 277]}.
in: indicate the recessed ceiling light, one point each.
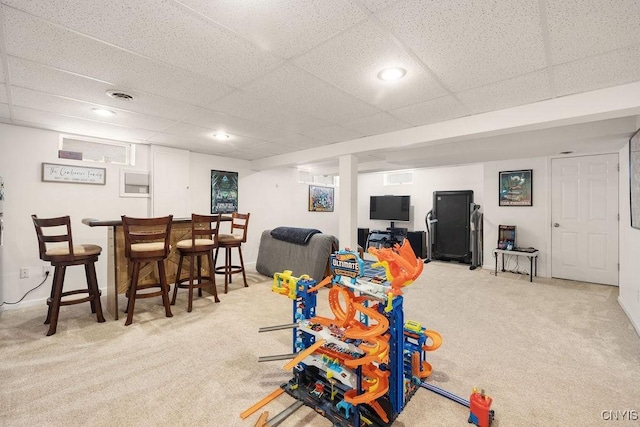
{"type": "Point", "coordinates": [103, 112]}
{"type": "Point", "coordinates": [395, 73]}
{"type": "Point", "coordinates": [221, 136]}
{"type": "Point", "coordinates": [118, 94]}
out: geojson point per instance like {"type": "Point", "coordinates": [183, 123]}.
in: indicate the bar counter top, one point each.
{"type": "Point", "coordinates": [92, 222]}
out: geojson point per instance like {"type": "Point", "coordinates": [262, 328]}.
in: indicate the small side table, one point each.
{"type": "Point", "coordinates": [533, 260]}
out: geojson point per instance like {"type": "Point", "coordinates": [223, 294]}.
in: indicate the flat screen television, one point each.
{"type": "Point", "coordinates": [390, 208]}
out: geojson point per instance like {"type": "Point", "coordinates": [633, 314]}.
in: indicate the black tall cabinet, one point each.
{"type": "Point", "coordinates": [451, 232]}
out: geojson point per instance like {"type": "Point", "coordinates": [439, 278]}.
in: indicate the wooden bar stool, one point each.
{"type": "Point", "coordinates": [61, 257]}
{"type": "Point", "coordinates": [238, 236]}
{"type": "Point", "coordinates": [204, 239]}
{"type": "Point", "coordinates": [146, 240]}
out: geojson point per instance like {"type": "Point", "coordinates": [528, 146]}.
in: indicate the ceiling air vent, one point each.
{"type": "Point", "coordinates": [119, 95]}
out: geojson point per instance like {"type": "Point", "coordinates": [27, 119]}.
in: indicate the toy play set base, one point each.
{"type": "Point", "coordinates": [362, 366]}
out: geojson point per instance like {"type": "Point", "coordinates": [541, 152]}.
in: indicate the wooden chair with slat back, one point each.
{"type": "Point", "coordinates": [146, 240]}
{"type": "Point", "coordinates": [204, 239]}
{"type": "Point", "coordinates": [59, 250]}
{"type": "Point", "coordinates": [238, 236]}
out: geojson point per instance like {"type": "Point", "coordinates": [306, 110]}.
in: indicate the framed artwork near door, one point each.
{"type": "Point", "coordinates": [634, 179]}
{"type": "Point", "coordinates": [515, 188]}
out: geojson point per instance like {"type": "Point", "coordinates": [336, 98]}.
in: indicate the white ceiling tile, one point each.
{"type": "Point", "coordinates": [377, 123]}
{"type": "Point", "coordinates": [33, 39]}
{"type": "Point", "coordinates": [1, 71]}
{"type": "Point", "coordinates": [50, 80]}
{"type": "Point", "coordinates": [470, 43]}
{"type": "Point", "coordinates": [302, 91]}
{"type": "Point", "coordinates": [298, 142]}
{"type": "Point", "coordinates": [581, 28]}
{"type": "Point", "coordinates": [234, 125]}
{"type": "Point", "coordinates": [353, 60]}
{"type": "Point", "coordinates": [375, 5]}
{"type": "Point", "coordinates": [162, 30]}
{"type": "Point", "coordinates": [60, 123]}
{"type": "Point", "coordinates": [205, 136]}
{"type": "Point", "coordinates": [3, 94]}
{"type": "Point", "coordinates": [71, 107]}
{"type": "Point", "coordinates": [334, 133]}
{"type": "Point", "coordinates": [434, 111]}
{"type": "Point", "coordinates": [509, 93]}
{"type": "Point", "coordinates": [4, 111]}
{"type": "Point", "coordinates": [260, 151]}
{"type": "Point", "coordinates": [609, 69]}
{"type": "Point", "coordinates": [253, 107]}
{"type": "Point", "coordinates": [283, 27]}
{"type": "Point", "coordinates": [192, 138]}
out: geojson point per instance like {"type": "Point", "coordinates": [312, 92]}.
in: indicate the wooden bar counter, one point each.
{"type": "Point", "coordinates": [119, 269]}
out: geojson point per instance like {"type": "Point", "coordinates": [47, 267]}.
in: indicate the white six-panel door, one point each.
{"type": "Point", "coordinates": [584, 218]}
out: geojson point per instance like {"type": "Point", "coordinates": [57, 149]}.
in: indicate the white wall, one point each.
{"type": "Point", "coordinates": [629, 278]}
{"type": "Point", "coordinates": [274, 198]}
{"type": "Point", "coordinates": [531, 222]}
{"type": "Point", "coordinates": [425, 182]}
{"type": "Point", "coordinates": [282, 201]}
{"type": "Point", "coordinates": [22, 151]}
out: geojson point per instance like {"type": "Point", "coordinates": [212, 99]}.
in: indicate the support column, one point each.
{"type": "Point", "coordinates": [348, 215]}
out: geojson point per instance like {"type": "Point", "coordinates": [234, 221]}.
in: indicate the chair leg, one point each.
{"type": "Point", "coordinates": [212, 274]}
{"type": "Point", "coordinates": [199, 275]}
{"type": "Point", "coordinates": [227, 269]}
{"type": "Point", "coordinates": [244, 276]}
{"type": "Point", "coordinates": [191, 278]}
{"type": "Point", "coordinates": [56, 272]}
{"type": "Point", "coordinates": [133, 289]}
{"type": "Point", "coordinates": [92, 282]}
{"type": "Point", "coordinates": [175, 287]}
{"type": "Point", "coordinates": [55, 301]}
{"type": "Point", "coordinates": [164, 288]}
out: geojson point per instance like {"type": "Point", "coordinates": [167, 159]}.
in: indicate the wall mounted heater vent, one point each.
{"type": "Point", "coordinates": [134, 183]}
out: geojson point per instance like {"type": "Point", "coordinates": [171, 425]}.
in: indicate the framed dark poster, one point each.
{"type": "Point", "coordinates": [515, 188]}
{"type": "Point", "coordinates": [224, 192]}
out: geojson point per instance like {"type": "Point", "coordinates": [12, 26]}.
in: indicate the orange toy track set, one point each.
{"type": "Point", "coordinates": [361, 366]}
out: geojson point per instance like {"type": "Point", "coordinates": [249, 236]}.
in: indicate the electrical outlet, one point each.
{"type": "Point", "coordinates": [46, 270]}
{"type": "Point", "coordinates": [24, 273]}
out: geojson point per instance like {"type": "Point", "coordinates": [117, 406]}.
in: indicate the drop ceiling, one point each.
{"type": "Point", "coordinates": [289, 76]}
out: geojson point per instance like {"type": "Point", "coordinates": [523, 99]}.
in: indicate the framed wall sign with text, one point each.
{"type": "Point", "coordinates": [52, 172]}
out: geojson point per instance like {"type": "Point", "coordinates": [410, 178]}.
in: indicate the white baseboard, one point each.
{"type": "Point", "coordinates": [635, 325]}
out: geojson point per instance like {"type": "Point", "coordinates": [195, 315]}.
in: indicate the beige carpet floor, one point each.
{"type": "Point", "coordinates": [550, 353]}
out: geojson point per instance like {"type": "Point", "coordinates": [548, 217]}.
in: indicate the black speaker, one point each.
{"type": "Point", "coordinates": [363, 234]}
{"type": "Point", "coordinates": [418, 242]}
{"type": "Point", "coordinates": [452, 231]}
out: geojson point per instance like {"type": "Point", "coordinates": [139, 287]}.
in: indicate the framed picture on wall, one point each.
{"type": "Point", "coordinates": [515, 188]}
{"type": "Point", "coordinates": [320, 199]}
{"type": "Point", "coordinates": [634, 179]}
{"type": "Point", "coordinates": [224, 192]}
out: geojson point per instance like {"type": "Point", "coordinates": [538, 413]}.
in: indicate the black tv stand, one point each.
{"type": "Point", "coordinates": [387, 238]}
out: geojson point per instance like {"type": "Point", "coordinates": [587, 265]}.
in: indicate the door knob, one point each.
{"type": "Point", "coordinates": [555, 224]}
